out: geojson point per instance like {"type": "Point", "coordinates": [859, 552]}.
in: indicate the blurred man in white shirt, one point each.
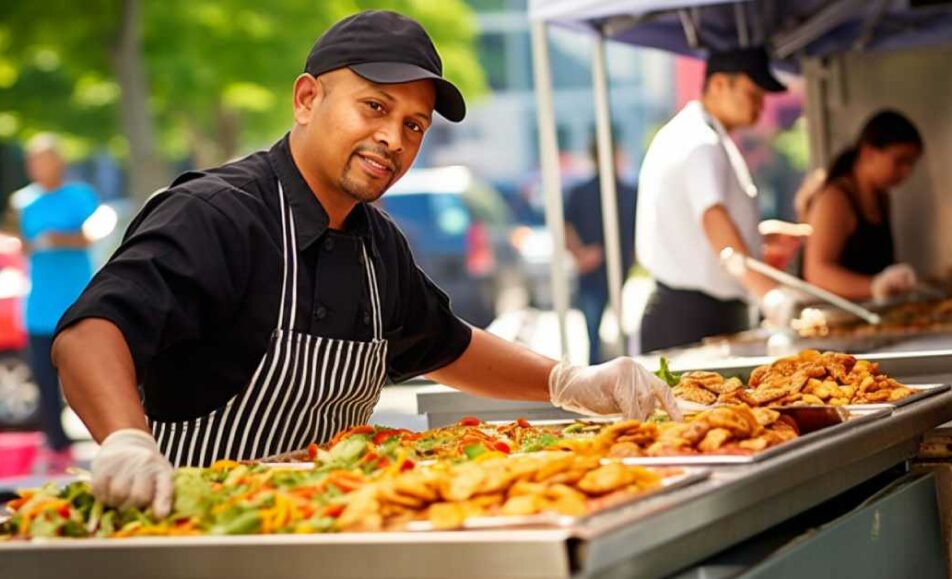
{"type": "Point", "coordinates": [697, 198]}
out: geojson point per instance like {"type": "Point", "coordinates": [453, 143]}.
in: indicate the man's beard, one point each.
{"type": "Point", "coordinates": [365, 193]}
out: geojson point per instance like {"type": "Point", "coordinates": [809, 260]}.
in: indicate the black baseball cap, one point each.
{"type": "Point", "coordinates": [385, 47]}
{"type": "Point", "coordinates": [752, 61]}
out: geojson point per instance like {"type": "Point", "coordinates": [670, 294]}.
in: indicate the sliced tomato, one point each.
{"type": "Point", "coordinates": [333, 510]}
{"type": "Point", "coordinates": [312, 451]}
{"type": "Point", "coordinates": [406, 465]}
{"type": "Point", "coordinates": [369, 457]}
{"type": "Point", "coordinates": [502, 447]}
{"type": "Point", "coordinates": [523, 422]}
{"type": "Point", "coordinates": [385, 435]}
{"type": "Point", "coordinates": [469, 421]}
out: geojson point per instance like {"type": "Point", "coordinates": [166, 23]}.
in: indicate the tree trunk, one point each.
{"type": "Point", "coordinates": [229, 130]}
{"type": "Point", "coordinates": [147, 172]}
{"type": "Point", "coordinates": [219, 144]}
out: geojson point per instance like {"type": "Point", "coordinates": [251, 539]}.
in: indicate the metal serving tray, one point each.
{"type": "Point", "coordinates": [687, 476]}
{"type": "Point", "coordinates": [728, 459]}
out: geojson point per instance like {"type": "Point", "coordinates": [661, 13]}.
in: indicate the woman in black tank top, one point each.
{"type": "Point", "coordinates": [851, 251]}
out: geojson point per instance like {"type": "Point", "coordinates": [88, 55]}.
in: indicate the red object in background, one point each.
{"type": "Point", "coordinates": [780, 250]}
{"type": "Point", "coordinates": [18, 451]}
{"type": "Point", "coordinates": [689, 80]}
{"type": "Point", "coordinates": [480, 260]}
{"type": "Point", "coordinates": [13, 272]}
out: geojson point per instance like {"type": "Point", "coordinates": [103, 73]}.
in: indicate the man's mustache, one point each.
{"type": "Point", "coordinates": [382, 153]}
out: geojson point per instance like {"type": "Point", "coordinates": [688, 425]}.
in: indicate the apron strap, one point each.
{"type": "Point", "coordinates": [374, 291]}
{"type": "Point", "coordinates": [287, 313]}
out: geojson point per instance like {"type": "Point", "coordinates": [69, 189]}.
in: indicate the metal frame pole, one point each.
{"type": "Point", "coordinates": [609, 194]}
{"type": "Point", "coordinates": [551, 179]}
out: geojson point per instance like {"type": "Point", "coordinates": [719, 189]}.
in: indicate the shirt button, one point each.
{"type": "Point", "coordinates": [366, 318]}
{"type": "Point", "coordinates": [320, 313]}
{"type": "Point", "coordinates": [328, 244]}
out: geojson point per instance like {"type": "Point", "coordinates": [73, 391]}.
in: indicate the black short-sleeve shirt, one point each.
{"type": "Point", "coordinates": [196, 284]}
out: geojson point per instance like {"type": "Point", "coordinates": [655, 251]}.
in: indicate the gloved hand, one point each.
{"type": "Point", "coordinates": [621, 385]}
{"type": "Point", "coordinates": [779, 306]}
{"type": "Point", "coordinates": [895, 279]}
{"type": "Point", "coordinates": [129, 471]}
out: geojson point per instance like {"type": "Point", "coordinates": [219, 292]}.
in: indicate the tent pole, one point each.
{"type": "Point", "coordinates": [551, 179]}
{"type": "Point", "coordinates": [740, 18]}
{"type": "Point", "coordinates": [609, 195]}
{"type": "Point", "coordinates": [690, 28]}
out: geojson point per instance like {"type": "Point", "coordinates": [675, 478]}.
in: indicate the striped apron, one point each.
{"type": "Point", "coordinates": [305, 388]}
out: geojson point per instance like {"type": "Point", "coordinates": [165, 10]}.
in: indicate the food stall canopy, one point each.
{"type": "Point", "coordinates": [791, 30]}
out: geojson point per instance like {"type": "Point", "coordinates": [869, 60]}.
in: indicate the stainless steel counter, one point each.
{"type": "Point", "coordinates": [648, 539]}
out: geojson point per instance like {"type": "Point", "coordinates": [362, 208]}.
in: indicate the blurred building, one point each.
{"type": "Point", "coordinates": [499, 140]}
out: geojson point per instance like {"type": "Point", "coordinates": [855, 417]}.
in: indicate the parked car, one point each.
{"type": "Point", "coordinates": [532, 238]}
{"type": "Point", "coordinates": [461, 234]}
{"type": "Point", "coordinates": [19, 394]}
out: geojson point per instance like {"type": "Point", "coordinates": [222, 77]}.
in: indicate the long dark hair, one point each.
{"type": "Point", "coordinates": [885, 128]}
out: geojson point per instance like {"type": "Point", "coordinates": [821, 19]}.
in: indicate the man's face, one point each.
{"type": "Point", "coordinates": [742, 100]}
{"type": "Point", "coordinates": [365, 135]}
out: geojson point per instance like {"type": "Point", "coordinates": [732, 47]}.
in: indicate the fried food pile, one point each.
{"type": "Point", "coordinates": [810, 377]}
{"type": "Point", "coordinates": [706, 387]}
{"type": "Point", "coordinates": [736, 429]}
{"type": "Point", "coordinates": [448, 494]}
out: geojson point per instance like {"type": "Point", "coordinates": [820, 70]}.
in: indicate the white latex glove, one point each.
{"type": "Point", "coordinates": [895, 279]}
{"type": "Point", "coordinates": [620, 386]}
{"type": "Point", "coordinates": [129, 471]}
{"type": "Point", "coordinates": [779, 306]}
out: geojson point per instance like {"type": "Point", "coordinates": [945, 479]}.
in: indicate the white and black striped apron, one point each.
{"type": "Point", "coordinates": [305, 388]}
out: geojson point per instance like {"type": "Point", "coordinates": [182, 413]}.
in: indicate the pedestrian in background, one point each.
{"type": "Point", "coordinates": [585, 239]}
{"type": "Point", "coordinates": [49, 215]}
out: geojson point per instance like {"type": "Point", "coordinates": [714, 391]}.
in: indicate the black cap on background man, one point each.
{"type": "Point", "coordinates": [385, 47]}
{"type": "Point", "coordinates": [752, 61]}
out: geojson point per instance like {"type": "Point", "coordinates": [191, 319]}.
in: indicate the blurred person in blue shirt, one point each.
{"type": "Point", "coordinates": [50, 214]}
{"type": "Point", "coordinates": [585, 239]}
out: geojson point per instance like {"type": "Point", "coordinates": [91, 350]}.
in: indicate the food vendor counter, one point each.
{"type": "Point", "coordinates": [655, 537]}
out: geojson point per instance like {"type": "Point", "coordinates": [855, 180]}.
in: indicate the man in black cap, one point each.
{"type": "Point", "coordinates": [259, 306]}
{"type": "Point", "coordinates": [696, 197]}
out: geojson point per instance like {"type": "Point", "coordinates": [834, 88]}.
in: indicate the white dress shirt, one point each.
{"type": "Point", "coordinates": [692, 165]}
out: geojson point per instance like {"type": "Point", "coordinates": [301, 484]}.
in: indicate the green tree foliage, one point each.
{"type": "Point", "coordinates": [218, 73]}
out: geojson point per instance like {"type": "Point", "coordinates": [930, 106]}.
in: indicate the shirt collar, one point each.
{"type": "Point", "coordinates": [709, 119]}
{"type": "Point", "coordinates": [310, 218]}
{"type": "Point", "coordinates": [734, 156]}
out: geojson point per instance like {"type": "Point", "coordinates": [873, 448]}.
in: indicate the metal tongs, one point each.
{"type": "Point", "coordinates": [737, 263]}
